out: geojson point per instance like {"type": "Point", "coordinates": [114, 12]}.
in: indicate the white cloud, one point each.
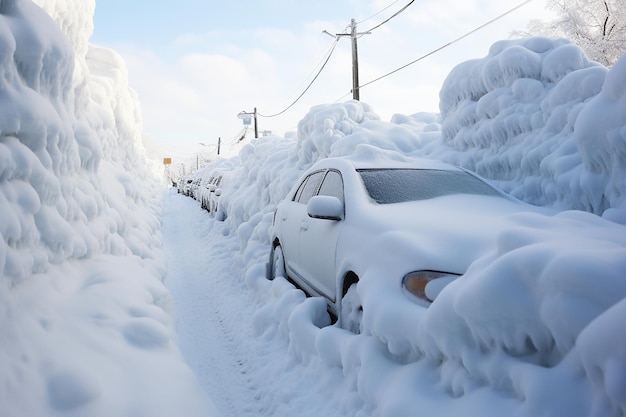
{"type": "Point", "coordinates": [193, 92]}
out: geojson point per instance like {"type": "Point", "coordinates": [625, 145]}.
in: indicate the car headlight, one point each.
{"type": "Point", "coordinates": [426, 285]}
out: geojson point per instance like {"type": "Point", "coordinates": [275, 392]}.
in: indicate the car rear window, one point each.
{"type": "Point", "coordinates": [388, 186]}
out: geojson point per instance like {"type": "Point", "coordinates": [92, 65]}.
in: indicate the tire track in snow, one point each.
{"type": "Point", "coordinates": [205, 335]}
{"type": "Point", "coordinates": [244, 374]}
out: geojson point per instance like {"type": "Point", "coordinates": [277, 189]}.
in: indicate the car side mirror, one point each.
{"type": "Point", "coordinates": [325, 207]}
{"type": "Point", "coordinates": [218, 192]}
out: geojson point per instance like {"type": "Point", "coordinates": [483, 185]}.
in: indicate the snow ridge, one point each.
{"type": "Point", "coordinates": [515, 112]}
{"type": "Point", "coordinates": [521, 333]}
{"type": "Point", "coordinates": [80, 248]}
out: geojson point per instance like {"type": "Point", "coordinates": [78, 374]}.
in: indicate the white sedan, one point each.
{"type": "Point", "coordinates": [428, 219]}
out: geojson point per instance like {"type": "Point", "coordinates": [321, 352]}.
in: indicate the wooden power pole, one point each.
{"type": "Point", "coordinates": [256, 126]}
{"type": "Point", "coordinates": [355, 62]}
{"type": "Point", "coordinates": [355, 56]}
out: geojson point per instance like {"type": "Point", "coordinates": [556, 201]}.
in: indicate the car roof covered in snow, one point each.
{"type": "Point", "coordinates": [376, 158]}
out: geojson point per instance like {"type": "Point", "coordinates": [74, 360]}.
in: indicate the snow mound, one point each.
{"type": "Point", "coordinates": [603, 147]}
{"type": "Point", "coordinates": [84, 319]}
{"type": "Point", "coordinates": [514, 111]}
{"type": "Point", "coordinates": [533, 327]}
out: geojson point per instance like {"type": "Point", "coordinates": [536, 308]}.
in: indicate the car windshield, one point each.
{"type": "Point", "coordinates": [388, 186]}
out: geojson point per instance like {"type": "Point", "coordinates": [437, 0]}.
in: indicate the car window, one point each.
{"type": "Point", "coordinates": [387, 186]}
{"type": "Point", "coordinates": [332, 185]}
{"type": "Point", "coordinates": [296, 197]}
{"type": "Point", "coordinates": [308, 188]}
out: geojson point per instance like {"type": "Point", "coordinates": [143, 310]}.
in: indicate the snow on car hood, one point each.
{"type": "Point", "coordinates": [445, 233]}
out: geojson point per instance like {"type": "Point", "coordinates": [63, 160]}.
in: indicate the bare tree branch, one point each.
{"type": "Point", "coordinates": [597, 26]}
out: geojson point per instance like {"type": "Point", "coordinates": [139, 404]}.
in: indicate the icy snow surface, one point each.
{"type": "Point", "coordinates": [89, 307]}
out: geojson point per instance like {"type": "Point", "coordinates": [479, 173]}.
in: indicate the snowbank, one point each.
{"type": "Point", "coordinates": [534, 326]}
{"type": "Point", "coordinates": [515, 110]}
{"type": "Point", "coordinates": [85, 321]}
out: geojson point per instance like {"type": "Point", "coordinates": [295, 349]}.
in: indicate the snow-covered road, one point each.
{"type": "Point", "coordinates": [244, 370]}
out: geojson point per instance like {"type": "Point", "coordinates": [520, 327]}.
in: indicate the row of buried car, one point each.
{"type": "Point", "coordinates": [206, 190]}
{"type": "Point", "coordinates": [413, 225]}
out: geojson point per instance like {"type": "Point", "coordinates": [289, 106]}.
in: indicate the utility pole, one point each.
{"type": "Point", "coordinates": [355, 56]}
{"type": "Point", "coordinates": [219, 144]}
{"type": "Point", "coordinates": [256, 126]}
{"type": "Point", "coordinates": [355, 62]}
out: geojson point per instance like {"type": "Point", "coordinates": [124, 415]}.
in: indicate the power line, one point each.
{"type": "Point", "coordinates": [353, 35]}
{"type": "Point", "coordinates": [378, 12]}
{"type": "Point", "coordinates": [313, 69]}
{"type": "Point", "coordinates": [342, 97]}
{"type": "Point", "coordinates": [333, 49]}
{"type": "Point", "coordinates": [239, 136]}
{"type": "Point", "coordinates": [447, 44]}
{"type": "Point", "coordinates": [308, 86]}
{"type": "Point", "coordinates": [392, 16]}
{"type": "Point", "coordinates": [397, 69]}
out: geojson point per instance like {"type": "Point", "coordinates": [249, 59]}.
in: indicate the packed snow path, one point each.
{"type": "Point", "coordinates": [243, 372]}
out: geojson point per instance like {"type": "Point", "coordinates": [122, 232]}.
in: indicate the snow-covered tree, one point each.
{"type": "Point", "coordinates": [597, 26]}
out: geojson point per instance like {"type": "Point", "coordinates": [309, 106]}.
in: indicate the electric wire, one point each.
{"type": "Point", "coordinates": [377, 13]}
{"type": "Point", "coordinates": [239, 136]}
{"type": "Point", "coordinates": [403, 66]}
{"type": "Point", "coordinates": [331, 52]}
{"type": "Point", "coordinates": [308, 86]}
{"type": "Point", "coordinates": [342, 97]}
{"type": "Point", "coordinates": [447, 44]}
{"type": "Point", "coordinates": [391, 17]}
{"type": "Point", "coordinates": [313, 68]}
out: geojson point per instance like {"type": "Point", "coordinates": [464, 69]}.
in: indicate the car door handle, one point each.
{"type": "Point", "coordinates": [304, 225]}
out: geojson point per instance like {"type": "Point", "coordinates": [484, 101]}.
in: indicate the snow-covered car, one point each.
{"type": "Point", "coordinates": [209, 194]}
{"type": "Point", "coordinates": [193, 188]}
{"type": "Point", "coordinates": [204, 191]}
{"type": "Point", "coordinates": [184, 185]}
{"type": "Point", "coordinates": [214, 198]}
{"type": "Point", "coordinates": [420, 223]}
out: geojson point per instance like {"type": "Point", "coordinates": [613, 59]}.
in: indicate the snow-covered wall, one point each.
{"type": "Point", "coordinates": [525, 115]}
{"type": "Point", "coordinates": [80, 246]}
{"type": "Point", "coordinates": [64, 144]}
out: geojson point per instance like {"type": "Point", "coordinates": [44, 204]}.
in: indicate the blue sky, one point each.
{"type": "Point", "coordinates": [196, 64]}
{"type": "Point", "coordinates": [148, 23]}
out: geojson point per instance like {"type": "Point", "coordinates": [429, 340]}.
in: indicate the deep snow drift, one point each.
{"type": "Point", "coordinates": [85, 321]}
{"type": "Point", "coordinates": [535, 326]}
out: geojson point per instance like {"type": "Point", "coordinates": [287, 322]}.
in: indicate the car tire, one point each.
{"type": "Point", "coordinates": [277, 263]}
{"type": "Point", "coordinates": [351, 310]}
